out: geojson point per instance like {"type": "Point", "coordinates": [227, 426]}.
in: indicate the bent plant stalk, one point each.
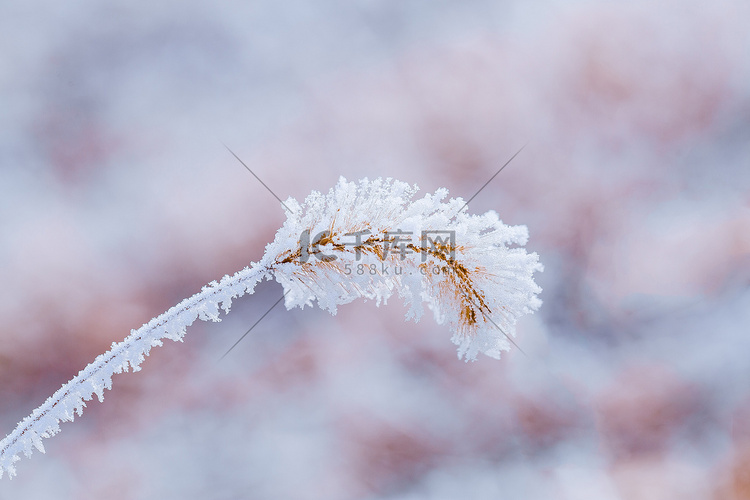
{"type": "Point", "coordinates": [478, 283]}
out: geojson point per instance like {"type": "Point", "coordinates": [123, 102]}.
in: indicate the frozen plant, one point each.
{"type": "Point", "coordinates": [366, 239]}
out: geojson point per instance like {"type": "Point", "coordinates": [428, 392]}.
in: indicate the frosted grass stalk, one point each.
{"type": "Point", "coordinates": [332, 249]}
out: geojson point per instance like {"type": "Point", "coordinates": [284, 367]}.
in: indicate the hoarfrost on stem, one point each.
{"type": "Point", "coordinates": [357, 241]}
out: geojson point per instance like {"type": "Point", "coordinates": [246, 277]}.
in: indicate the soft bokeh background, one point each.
{"type": "Point", "coordinates": [117, 200]}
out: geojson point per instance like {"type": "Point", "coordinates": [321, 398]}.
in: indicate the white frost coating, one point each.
{"type": "Point", "coordinates": [479, 292]}
{"type": "Point", "coordinates": [70, 399]}
{"type": "Point", "coordinates": [485, 289]}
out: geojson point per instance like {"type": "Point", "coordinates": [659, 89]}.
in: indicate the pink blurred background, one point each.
{"type": "Point", "coordinates": [117, 200]}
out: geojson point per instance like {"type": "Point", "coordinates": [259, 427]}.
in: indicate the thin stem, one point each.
{"type": "Point", "coordinates": [94, 378]}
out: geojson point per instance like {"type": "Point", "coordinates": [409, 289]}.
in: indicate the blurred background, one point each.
{"type": "Point", "coordinates": [118, 199]}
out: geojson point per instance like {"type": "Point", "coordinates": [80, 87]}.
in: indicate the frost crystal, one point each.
{"type": "Point", "coordinates": [368, 239]}
{"type": "Point", "coordinates": [371, 240]}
